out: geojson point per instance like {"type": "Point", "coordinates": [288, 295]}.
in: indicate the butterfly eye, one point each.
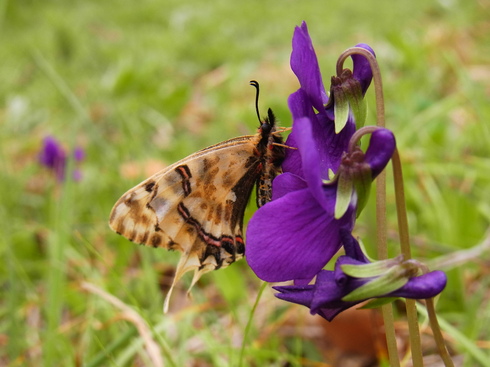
{"type": "Point", "coordinates": [266, 128]}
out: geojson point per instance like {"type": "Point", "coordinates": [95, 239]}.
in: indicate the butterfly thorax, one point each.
{"type": "Point", "coordinates": [271, 149]}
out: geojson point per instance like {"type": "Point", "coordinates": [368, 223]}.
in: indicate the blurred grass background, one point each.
{"type": "Point", "coordinates": [139, 85]}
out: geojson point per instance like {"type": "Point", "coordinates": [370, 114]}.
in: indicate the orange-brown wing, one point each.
{"type": "Point", "coordinates": [195, 206]}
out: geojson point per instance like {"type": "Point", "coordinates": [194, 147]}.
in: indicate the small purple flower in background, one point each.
{"type": "Point", "coordinates": [53, 156]}
{"type": "Point", "coordinates": [302, 229]}
{"type": "Point", "coordinates": [78, 155]}
{"type": "Point", "coordinates": [356, 279]}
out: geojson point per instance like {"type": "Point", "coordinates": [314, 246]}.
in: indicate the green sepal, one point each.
{"type": "Point", "coordinates": [353, 93]}
{"type": "Point", "coordinates": [393, 279]}
{"type": "Point", "coordinates": [344, 195]}
{"type": "Point", "coordinates": [374, 269]}
{"type": "Point", "coordinates": [341, 109]}
{"type": "Point", "coordinates": [378, 302]}
{"type": "Point", "coordinates": [362, 184]}
{"type": "Point", "coordinates": [332, 177]}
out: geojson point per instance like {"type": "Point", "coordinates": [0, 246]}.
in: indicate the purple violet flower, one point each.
{"type": "Point", "coordinates": [53, 156]}
{"type": "Point", "coordinates": [78, 154]}
{"type": "Point", "coordinates": [335, 291]}
{"type": "Point", "coordinates": [302, 232]}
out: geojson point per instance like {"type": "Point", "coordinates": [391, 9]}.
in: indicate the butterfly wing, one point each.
{"type": "Point", "coordinates": [195, 206]}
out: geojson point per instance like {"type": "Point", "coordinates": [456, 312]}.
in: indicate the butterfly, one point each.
{"type": "Point", "coordinates": [196, 206]}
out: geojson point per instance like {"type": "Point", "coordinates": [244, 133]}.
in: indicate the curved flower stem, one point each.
{"type": "Point", "coordinates": [359, 134]}
{"type": "Point", "coordinates": [378, 85]}
{"type": "Point", "coordinates": [387, 310]}
{"type": "Point", "coordinates": [405, 246]}
{"type": "Point", "coordinates": [436, 331]}
{"type": "Point", "coordinates": [401, 210]}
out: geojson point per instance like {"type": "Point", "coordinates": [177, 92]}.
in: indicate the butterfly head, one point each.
{"type": "Point", "coordinates": [269, 122]}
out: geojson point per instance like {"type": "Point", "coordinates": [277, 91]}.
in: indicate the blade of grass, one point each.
{"type": "Point", "coordinates": [249, 323]}
{"type": "Point", "coordinates": [60, 84]}
{"type": "Point", "coordinates": [461, 339]}
{"type": "Point", "coordinates": [132, 316]}
{"type": "Point", "coordinates": [61, 209]}
{"type": "Point", "coordinates": [103, 355]}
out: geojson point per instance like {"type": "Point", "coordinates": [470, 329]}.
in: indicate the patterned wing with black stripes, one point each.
{"type": "Point", "coordinates": [196, 206]}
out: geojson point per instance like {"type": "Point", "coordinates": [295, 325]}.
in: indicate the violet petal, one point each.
{"type": "Point", "coordinates": [277, 255]}
{"type": "Point", "coordinates": [362, 70]}
{"type": "Point", "coordinates": [381, 148]}
{"type": "Point", "coordinates": [304, 64]}
{"type": "Point", "coordinates": [424, 286]}
{"type": "Point", "coordinates": [351, 246]}
{"type": "Point", "coordinates": [285, 183]}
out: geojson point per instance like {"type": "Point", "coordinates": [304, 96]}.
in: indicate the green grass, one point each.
{"type": "Point", "coordinates": [139, 83]}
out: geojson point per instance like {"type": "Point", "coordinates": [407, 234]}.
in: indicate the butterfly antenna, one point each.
{"type": "Point", "coordinates": [256, 85]}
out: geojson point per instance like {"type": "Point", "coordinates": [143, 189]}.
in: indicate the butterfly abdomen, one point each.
{"type": "Point", "coordinates": [272, 155]}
